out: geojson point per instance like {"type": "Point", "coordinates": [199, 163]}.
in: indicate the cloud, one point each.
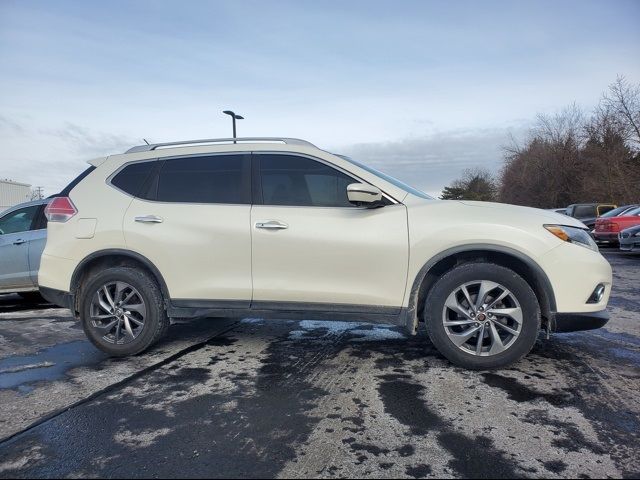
{"type": "Point", "coordinates": [86, 142]}
{"type": "Point", "coordinates": [433, 161]}
{"type": "Point", "coordinates": [52, 156]}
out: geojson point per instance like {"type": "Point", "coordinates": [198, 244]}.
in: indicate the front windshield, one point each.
{"type": "Point", "coordinates": [633, 213]}
{"type": "Point", "coordinates": [388, 178]}
{"type": "Point", "coordinates": [616, 211]}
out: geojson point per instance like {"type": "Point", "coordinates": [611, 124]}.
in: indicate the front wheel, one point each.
{"type": "Point", "coordinates": [482, 316]}
{"type": "Point", "coordinates": [122, 311]}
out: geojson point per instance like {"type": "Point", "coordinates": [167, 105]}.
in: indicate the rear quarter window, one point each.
{"type": "Point", "coordinates": [132, 178]}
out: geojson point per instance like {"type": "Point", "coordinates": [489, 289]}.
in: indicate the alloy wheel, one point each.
{"type": "Point", "coordinates": [118, 312]}
{"type": "Point", "coordinates": [482, 318]}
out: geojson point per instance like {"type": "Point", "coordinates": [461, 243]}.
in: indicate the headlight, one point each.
{"type": "Point", "coordinates": [573, 235]}
{"type": "Point", "coordinates": [637, 234]}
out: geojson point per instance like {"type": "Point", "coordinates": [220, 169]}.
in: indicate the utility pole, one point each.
{"type": "Point", "coordinates": [234, 117]}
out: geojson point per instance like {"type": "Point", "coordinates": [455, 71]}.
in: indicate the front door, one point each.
{"type": "Point", "coordinates": [311, 247]}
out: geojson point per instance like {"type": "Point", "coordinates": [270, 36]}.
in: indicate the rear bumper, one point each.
{"type": "Point", "coordinates": [58, 297]}
{"type": "Point", "coordinates": [575, 322]}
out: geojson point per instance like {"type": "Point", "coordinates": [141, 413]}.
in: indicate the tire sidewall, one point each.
{"type": "Point", "coordinates": [150, 296]}
{"type": "Point", "coordinates": [465, 273]}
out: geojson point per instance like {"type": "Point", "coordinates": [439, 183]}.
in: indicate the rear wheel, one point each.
{"type": "Point", "coordinates": [122, 311]}
{"type": "Point", "coordinates": [482, 315]}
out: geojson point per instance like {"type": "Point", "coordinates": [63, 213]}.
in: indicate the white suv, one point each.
{"type": "Point", "coordinates": [280, 228]}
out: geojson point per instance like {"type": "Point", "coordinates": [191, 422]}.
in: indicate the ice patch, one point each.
{"type": "Point", "coordinates": [252, 320]}
{"type": "Point", "coordinates": [375, 333]}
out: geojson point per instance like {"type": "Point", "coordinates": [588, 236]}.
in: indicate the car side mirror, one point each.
{"type": "Point", "coordinates": [365, 195]}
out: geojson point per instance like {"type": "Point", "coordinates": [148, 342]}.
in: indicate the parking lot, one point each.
{"type": "Point", "coordinates": [253, 398]}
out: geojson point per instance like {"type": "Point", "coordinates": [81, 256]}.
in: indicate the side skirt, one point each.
{"type": "Point", "coordinates": [287, 310]}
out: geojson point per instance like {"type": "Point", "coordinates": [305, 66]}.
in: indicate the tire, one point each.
{"type": "Point", "coordinates": [520, 302]}
{"type": "Point", "coordinates": [144, 304]}
{"type": "Point", "coordinates": [32, 297]}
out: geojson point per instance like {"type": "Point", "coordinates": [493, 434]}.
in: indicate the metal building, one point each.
{"type": "Point", "coordinates": [12, 193]}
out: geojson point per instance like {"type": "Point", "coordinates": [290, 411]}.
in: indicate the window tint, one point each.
{"type": "Point", "coordinates": [605, 209]}
{"type": "Point", "coordinates": [132, 178]}
{"type": "Point", "coordinates": [584, 211]}
{"type": "Point", "coordinates": [299, 181]}
{"type": "Point", "coordinates": [18, 221]}
{"type": "Point", "coordinates": [615, 212]}
{"type": "Point", "coordinates": [210, 179]}
{"type": "Point", "coordinates": [40, 221]}
{"type": "Point", "coordinates": [633, 213]}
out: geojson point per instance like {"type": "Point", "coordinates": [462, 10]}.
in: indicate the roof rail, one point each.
{"type": "Point", "coordinates": [154, 146]}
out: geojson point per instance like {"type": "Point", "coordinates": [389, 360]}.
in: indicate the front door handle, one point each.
{"type": "Point", "coordinates": [272, 225]}
{"type": "Point", "coordinates": [149, 219]}
{"type": "Point", "coordinates": [19, 242]}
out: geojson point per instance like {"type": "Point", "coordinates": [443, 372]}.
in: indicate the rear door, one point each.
{"type": "Point", "coordinates": [312, 249]}
{"type": "Point", "coordinates": [15, 233]}
{"type": "Point", "coordinates": [191, 220]}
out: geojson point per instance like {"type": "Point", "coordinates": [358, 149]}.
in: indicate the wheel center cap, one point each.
{"type": "Point", "coordinates": [119, 312]}
{"type": "Point", "coordinates": [481, 317]}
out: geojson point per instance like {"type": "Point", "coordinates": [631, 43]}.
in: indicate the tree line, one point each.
{"type": "Point", "coordinates": [569, 157]}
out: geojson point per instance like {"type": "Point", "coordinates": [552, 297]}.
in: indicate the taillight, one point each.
{"type": "Point", "coordinates": [614, 227]}
{"type": "Point", "coordinates": [60, 209]}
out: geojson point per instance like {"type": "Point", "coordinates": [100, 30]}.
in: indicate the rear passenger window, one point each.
{"type": "Point", "coordinates": [208, 179]}
{"type": "Point", "coordinates": [132, 178]}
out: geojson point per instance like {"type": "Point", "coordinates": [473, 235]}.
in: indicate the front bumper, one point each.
{"type": "Point", "coordinates": [575, 322]}
{"type": "Point", "coordinates": [629, 243]}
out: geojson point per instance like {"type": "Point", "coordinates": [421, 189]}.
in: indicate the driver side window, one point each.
{"type": "Point", "coordinates": [18, 221]}
{"type": "Point", "coordinates": [298, 181]}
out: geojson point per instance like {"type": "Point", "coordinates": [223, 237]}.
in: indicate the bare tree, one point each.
{"type": "Point", "coordinates": [623, 101]}
{"type": "Point", "coordinates": [569, 159]}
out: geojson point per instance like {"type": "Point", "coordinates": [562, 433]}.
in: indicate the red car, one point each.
{"type": "Point", "coordinates": [608, 227]}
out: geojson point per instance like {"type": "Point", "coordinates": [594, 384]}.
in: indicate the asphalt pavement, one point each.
{"type": "Point", "coordinates": [261, 398]}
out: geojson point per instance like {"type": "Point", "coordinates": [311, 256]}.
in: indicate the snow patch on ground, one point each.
{"type": "Point", "coordinates": [366, 332]}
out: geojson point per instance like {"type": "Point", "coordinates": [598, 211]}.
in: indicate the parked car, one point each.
{"type": "Point", "coordinates": [609, 228]}
{"type": "Point", "coordinates": [562, 211]}
{"type": "Point", "coordinates": [630, 239]}
{"type": "Point", "coordinates": [588, 212]}
{"type": "Point", "coordinates": [23, 234]}
{"type": "Point", "coordinates": [603, 232]}
{"type": "Point", "coordinates": [280, 228]}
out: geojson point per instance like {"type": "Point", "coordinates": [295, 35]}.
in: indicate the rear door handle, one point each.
{"type": "Point", "coordinates": [149, 219]}
{"type": "Point", "coordinates": [19, 242]}
{"type": "Point", "coordinates": [272, 225]}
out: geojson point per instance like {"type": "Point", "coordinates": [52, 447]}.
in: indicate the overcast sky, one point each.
{"type": "Point", "coordinates": [419, 89]}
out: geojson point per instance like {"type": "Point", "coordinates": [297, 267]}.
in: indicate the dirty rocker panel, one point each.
{"type": "Point", "coordinates": [187, 308]}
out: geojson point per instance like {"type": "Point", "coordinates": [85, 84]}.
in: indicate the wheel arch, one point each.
{"type": "Point", "coordinates": [507, 257]}
{"type": "Point", "coordinates": [114, 257]}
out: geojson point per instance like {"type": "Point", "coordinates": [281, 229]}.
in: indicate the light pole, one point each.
{"type": "Point", "coordinates": [234, 117]}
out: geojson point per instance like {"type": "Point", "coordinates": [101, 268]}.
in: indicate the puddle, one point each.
{"type": "Point", "coordinates": [47, 365]}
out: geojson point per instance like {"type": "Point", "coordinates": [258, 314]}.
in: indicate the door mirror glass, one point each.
{"type": "Point", "coordinates": [365, 195]}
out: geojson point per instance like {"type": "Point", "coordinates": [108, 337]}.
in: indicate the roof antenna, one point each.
{"type": "Point", "coordinates": [145, 141]}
